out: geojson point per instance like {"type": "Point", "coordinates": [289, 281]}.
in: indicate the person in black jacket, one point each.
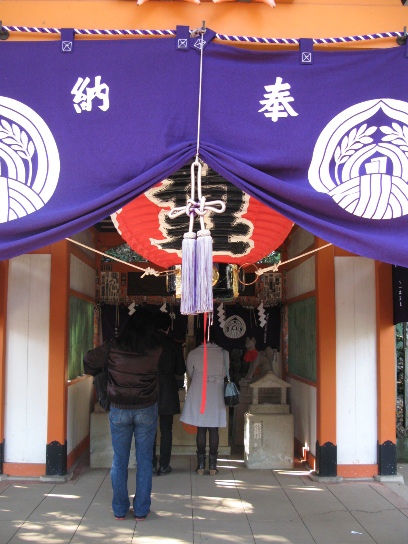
{"type": "Point", "coordinates": [133, 361]}
{"type": "Point", "coordinates": [171, 363]}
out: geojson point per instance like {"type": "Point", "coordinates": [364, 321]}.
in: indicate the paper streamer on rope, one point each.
{"type": "Point", "coordinates": [262, 315]}
{"type": "Point", "coordinates": [205, 368]}
{"type": "Point", "coordinates": [221, 315]}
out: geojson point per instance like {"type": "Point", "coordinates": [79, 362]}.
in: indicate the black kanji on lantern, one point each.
{"type": "Point", "coordinates": [231, 233]}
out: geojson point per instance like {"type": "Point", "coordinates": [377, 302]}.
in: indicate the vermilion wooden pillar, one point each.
{"type": "Point", "coordinates": [56, 460]}
{"type": "Point", "coordinates": [326, 442]}
{"type": "Point", "coordinates": [386, 372]}
{"type": "Point", "coordinates": [3, 322]}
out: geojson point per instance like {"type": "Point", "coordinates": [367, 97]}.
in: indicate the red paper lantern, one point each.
{"type": "Point", "coordinates": [246, 232]}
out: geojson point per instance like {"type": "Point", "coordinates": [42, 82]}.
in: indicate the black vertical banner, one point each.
{"type": "Point", "coordinates": [400, 293]}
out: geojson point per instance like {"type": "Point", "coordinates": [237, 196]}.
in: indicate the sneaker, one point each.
{"type": "Point", "coordinates": [164, 470]}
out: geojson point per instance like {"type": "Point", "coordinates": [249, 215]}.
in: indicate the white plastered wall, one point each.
{"type": "Point", "coordinates": [80, 393]}
{"type": "Point", "coordinates": [27, 357]}
{"type": "Point", "coordinates": [303, 407]}
{"type": "Point", "coordinates": [80, 404]}
{"type": "Point", "coordinates": [301, 280]}
{"type": "Point", "coordinates": [356, 367]}
{"type": "Point", "coordinates": [82, 277]}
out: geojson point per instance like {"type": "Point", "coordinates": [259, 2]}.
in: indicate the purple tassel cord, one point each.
{"type": "Point", "coordinates": [204, 272]}
{"type": "Point", "coordinates": [196, 252]}
{"type": "Point", "coordinates": [196, 256]}
{"type": "Point", "coordinates": [188, 274]}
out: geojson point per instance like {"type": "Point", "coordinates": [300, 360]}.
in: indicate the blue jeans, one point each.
{"type": "Point", "coordinates": [124, 424]}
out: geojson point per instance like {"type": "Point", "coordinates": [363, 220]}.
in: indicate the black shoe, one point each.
{"type": "Point", "coordinates": [200, 464]}
{"type": "Point", "coordinates": [164, 470]}
{"type": "Point", "coordinates": [213, 464]}
{"type": "Point", "coordinates": [155, 471]}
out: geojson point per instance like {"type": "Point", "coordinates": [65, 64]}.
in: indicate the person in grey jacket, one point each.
{"type": "Point", "coordinates": [214, 415]}
{"type": "Point", "coordinates": [132, 360]}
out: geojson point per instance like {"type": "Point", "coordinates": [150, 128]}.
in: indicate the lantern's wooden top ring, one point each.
{"type": "Point", "coordinates": [256, 276]}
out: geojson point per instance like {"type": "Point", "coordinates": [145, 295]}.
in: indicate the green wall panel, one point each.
{"type": "Point", "coordinates": [81, 317]}
{"type": "Point", "coordinates": [302, 338]}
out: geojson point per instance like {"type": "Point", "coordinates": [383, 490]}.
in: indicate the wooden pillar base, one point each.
{"type": "Point", "coordinates": [56, 461]}
{"type": "Point", "coordinates": [326, 460]}
{"type": "Point", "coordinates": [387, 459]}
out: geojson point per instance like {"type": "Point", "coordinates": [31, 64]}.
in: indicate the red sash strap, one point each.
{"type": "Point", "coordinates": [205, 369]}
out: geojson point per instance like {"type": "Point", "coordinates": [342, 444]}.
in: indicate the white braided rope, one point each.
{"type": "Point", "coordinates": [274, 267]}
{"type": "Point", "coordinates": [223, 37]}
{"type": "Point", "coordinates": [149, 271]}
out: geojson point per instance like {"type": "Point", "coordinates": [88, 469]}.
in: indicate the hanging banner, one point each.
{"type": "Point", "coordinates": [400, 294]}
{"type": "Point", "coordinates": [324, 144]}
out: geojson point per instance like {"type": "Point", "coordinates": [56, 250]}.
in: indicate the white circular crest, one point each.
{"type": "Point", "coordinates": [234, 327]}
{"type": "Point", "coordinates": [361, 159]}
{"type": "Point", "coordinates": [29, 161]}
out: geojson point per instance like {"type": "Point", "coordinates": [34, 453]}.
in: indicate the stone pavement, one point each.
{"type": "Point", "coordinates": [237, 506]}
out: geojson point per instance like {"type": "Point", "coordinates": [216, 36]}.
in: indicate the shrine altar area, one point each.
{"type": "Point", "coordinates": [184, 443]}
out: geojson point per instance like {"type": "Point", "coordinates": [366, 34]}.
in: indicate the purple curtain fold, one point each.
{"type": "Point", "coordinates": [83, 133]}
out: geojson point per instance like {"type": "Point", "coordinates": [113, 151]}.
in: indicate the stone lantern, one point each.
{"type": "Point", "coordinates": [269, 426]}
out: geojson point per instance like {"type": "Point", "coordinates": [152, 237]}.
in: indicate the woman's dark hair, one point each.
{"type": "Point", "coordinates": [213, 335]}
{"type": "Point", "coordinates": [140, 333]}
{"type": "Point", "coordinates": [163, 321]}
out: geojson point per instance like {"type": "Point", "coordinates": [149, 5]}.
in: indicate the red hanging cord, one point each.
{"type": "Point", "coordinates": [205, 369]}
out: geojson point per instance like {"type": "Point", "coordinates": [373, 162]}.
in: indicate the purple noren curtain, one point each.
{"type": "Point", "coordinates": [324, 143]}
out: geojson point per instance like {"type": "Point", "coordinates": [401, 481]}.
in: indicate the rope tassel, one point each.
{"type": "Point", "coordinates": [188, 274]}
{"type": "Point", "coordinates": [204, 267]}
{"type": "Point", "coordinates": [196, 254]}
